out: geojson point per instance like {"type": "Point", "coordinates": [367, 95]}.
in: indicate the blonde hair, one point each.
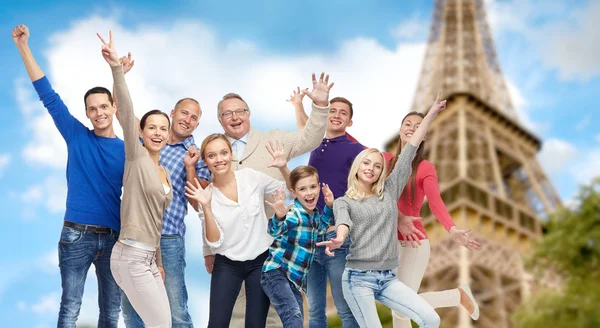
{"type": "Point", "coordinates": [354, 191]}
{"type": "Point", "coordinates": [212, 138]}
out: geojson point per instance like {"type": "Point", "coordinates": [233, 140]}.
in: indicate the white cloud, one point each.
{"type": "Point", "coordinates": [49, 262]}
{"type": "Point", "coordinates": [587, 168]}
{"type": "Point", "coordinates": [556, 154]}
{"type": "Point", "coordinates": [522, 110]}
{"type": "Point", "coordinates": [4, 161]}
{"type": "Point", "coordinates": [47, 304]}
{"type": "Point", "coordinates": [50, 195]}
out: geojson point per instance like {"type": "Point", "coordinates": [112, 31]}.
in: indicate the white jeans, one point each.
{"type": "Point", "coordinates": [135, 271]}
{"type": "Point", "coordinates": [413, 263]}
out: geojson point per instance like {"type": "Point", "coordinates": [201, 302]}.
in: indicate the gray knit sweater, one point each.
{"type": "Point", "coordinates": [373, 222]}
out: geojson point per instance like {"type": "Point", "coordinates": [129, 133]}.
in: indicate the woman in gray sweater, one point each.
{"type": "Point", "coordinates": [368, 212]}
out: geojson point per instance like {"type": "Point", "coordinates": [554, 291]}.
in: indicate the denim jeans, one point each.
{"type": "Point", "coordinates": [77, 251]}
{"type": "Point", "coordinates": [285, 297]}
{"type": "Point", "coordinates": [363, 287]}
{"type": "Point", "coordinates": [225, 284]}
{"type": "Point", "coordinates": [332, 267]}
{"type": "Point", "coordinates": [173, 259]}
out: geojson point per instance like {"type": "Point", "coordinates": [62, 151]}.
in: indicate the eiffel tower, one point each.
{"type": "Point", "coordinates": [486, 161]}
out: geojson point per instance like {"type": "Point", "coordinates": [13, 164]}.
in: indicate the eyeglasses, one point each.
{"type": "Point", "coordinates": [238, 112]}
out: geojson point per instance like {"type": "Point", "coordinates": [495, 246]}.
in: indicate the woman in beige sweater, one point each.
{"type": "Point", "coordinates": [135, 261]}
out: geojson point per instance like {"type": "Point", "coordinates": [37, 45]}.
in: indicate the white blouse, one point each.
{"type": "Point", "coordinates": [243, 225]}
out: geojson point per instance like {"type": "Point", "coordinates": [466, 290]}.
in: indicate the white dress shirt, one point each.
{"type": "Point", "coordinates": [238, 146]}
{"type": "Point", "coordinates": [243, 224]}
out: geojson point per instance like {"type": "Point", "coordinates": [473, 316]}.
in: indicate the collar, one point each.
{"type": "Point", "coordinates": [302, 210]}
{"type": "Point", "coordinates": [341, 138]}
{"type": "Point", "coordinates": [187, 143]}
{"type": "Point", "coordinates": [243, 139]}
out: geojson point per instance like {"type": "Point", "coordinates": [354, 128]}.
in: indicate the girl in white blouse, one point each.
{"type": "Point", "coordinates": [235, 228]}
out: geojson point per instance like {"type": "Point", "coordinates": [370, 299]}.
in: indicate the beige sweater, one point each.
{"type": "Point", "coordinates": [144, 198]}
{"type": "Point", "coordinates": [295, 143]}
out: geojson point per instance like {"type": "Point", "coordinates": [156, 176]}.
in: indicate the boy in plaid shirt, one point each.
{"type": "Point", "coordinates": [295, 228]}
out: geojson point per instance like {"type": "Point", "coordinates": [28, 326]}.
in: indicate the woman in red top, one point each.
{"type": "Point", "coordinates": [414, 245]}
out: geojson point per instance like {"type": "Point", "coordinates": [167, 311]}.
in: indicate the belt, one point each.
{"type": "Point", "coordinates": [88, 227]}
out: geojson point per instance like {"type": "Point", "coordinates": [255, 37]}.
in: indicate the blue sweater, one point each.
{"type": "Point", "coordinates": [95, 166]}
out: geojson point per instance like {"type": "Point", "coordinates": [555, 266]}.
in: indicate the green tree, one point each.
{"type": "Point", "coordinates": [571, 249]}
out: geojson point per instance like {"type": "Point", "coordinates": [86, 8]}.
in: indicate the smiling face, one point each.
{"type": "Point", "coordinates": [185, 117]}
{"type": "Point", "coordinates": [338, 118]}
{"type": "Point", "coordinates": [370, 169]}
{"type": "Point", "coordinates": [409, 126]}
{"type": "Point", "coordinates": [99, 109]}
{"type": "Point", "coordinates": [307, 192]}
{"type": "Point", "coordinates": [155, 132]}
{"type": "Point", "coordinates": [216, 154]}
{"type": "Point", "coordinates": [235, 126]}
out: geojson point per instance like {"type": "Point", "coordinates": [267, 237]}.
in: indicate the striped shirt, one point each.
{"type": "Point", "coordinates": [171, 157]}
{"type": "Point", "coordinates": [293, 249]}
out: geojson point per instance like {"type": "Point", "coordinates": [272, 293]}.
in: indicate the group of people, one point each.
{"type": "Point", "coordinates": [350, 217]}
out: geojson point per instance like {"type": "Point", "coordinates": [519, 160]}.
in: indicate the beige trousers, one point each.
{"type": "Point", "coordinates": [135, 271]}
{"type": "Point", "coordinates": [413, 263]}
{"type": "Point", "coordinates": [239, 312]}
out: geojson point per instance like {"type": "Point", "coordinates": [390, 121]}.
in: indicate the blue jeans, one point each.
{"type": "Point", "coordinates": [285, 297]}
{"type": "Point", "coordinates": [363, 287]}
{"type": "Point", "coordinates": [332, 267]}
{"type": "Point", "coordinates": [172, 248]}
{"type": "Point", "coordinates": [77, 251]}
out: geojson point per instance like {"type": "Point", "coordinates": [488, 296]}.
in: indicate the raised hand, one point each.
{"type": "Point", "coordinates": [109, 52]}
{"type": "Point", "coordinates": [191, 157]}
{"type": "Point", "coordinates": [331, 245]}
{"type": "Point", "coordinates": [278, 154]}
{"type": "Point", "coordinates": [327, 195]}
{"type": "Point", "coordinates": [438, 105]}
{"type": "Point", "coordinates": [278, 205]}
{"type": "Point", "coordinates": [406, 227]}
{"type": "Point", "coordinates": [20, 35]}
{"type": "Point", "coordinates": [297, 96]}
{"type": "Point", "coordinates": [320, 91]}
{"type": "Point", "coordinates": [463, 238]}
{"type": "Point", "coordinates": [127, 63]}
{"type": "Point", "coordinates": [202, 196]}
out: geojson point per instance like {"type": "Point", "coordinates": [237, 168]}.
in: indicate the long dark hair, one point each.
{"type": "Point", "coordinates": [415, 163]}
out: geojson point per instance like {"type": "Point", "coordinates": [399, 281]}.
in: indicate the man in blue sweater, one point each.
{"type": "Point", "coordinates": [96, 160]}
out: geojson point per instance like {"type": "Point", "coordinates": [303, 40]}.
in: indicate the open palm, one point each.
{"type": "Point", "coordinates": [278, 204]}
{"type": "Point", "coordinates": [278, 154]}
{"type": "Point", "coordinates": [196, 192]}
{"type": "Point", "coordinates": [320, 91]}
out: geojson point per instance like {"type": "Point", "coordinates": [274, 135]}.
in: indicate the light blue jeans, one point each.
{"type": "Point", "coordinates": [363, 287]}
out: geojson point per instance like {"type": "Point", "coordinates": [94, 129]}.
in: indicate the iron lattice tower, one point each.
{"type": "Point", "coordinates": [486, 161]}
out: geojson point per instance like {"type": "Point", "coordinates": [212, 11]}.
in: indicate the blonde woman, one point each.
{"type": "Point", "coordinates": [368, 212]}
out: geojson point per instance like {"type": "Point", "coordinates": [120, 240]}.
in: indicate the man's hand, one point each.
{"type": "Point", "coordinates": [296, 97]}
{"type": "Point", "coordinates": [209, 263]}
{"type": "Point", "coordinates": [20, 35]}
{"type": "Point", "coordinates": [162, 272]}
{"type": "Point", "coordinates": [109, 52]}
{"type": "Point", "coordinates": [127, 63]}
{"type": "Point", "coordinates": [191, 157]}
{"type": "Point", "coordinates": [320, 91]}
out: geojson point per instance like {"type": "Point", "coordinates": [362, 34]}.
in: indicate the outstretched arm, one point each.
{"type": "Point", "coordinates": [296, 101]}
{"type": "Point", "coordinates": [20, 35]}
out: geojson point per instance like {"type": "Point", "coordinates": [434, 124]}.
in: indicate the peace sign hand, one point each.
{"type": "Point", "coordinates": [127, 63]}
{"type": "Point", "coordinates": [109, 52]}
{"type": "Point", "coordinates": [320, 91]}
{"type": "Point", "coordinates": [279, 206]}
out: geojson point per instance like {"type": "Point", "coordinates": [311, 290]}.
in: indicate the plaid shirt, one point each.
{"type": "Point", "coordinates": [171, 156]}
{"type": "Point", "coordinates": [293, 249]}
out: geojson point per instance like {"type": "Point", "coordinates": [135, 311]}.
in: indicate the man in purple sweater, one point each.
{"type": "Point", "coordinates": [332, 159]}
{"type": "Point", "coordinates": [96, 160]}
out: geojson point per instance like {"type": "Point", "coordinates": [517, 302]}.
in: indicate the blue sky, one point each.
{"type": "Point", "coordinates": [548, 51]}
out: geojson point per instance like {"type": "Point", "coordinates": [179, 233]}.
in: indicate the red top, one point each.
{"type": "Point", "coordinates": [427, 185]}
